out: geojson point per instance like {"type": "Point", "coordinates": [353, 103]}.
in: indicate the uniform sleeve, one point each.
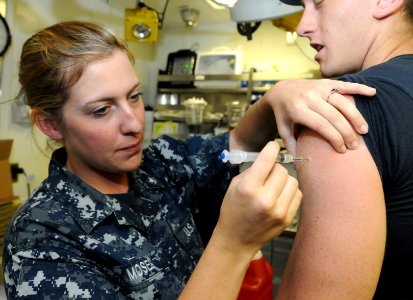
{"type": "Point", "coordinates": [195, 159]}
{"type": "Point", "coordinates": [42, 279]}
{"type": "Point", "coordinates": [193, 169]}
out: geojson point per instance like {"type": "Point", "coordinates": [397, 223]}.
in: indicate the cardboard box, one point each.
{"type": "Point", "coordinates": [6, 183]}
{"type": "Point", "coordinates": [1, 270]}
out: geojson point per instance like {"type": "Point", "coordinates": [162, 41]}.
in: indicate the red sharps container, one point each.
{"type": "Point", "coordinates": [257, 284]}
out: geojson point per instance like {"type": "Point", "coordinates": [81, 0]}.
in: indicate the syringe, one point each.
{"type": "Point", "coordinates": [238, 156]}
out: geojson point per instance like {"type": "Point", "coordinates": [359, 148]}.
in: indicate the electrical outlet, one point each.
{"type": "Point", "coordinates": [15, 171]}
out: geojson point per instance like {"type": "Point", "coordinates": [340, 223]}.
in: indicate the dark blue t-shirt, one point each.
{"type": "Point", "coordinates": [390, 142]}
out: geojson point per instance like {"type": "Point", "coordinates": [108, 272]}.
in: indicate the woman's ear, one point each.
{"type": "Point", "coordinates": [46, 125]}
{"type": "Point", "coordinates": [385, 8]}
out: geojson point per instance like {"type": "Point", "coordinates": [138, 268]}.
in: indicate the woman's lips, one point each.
{"type": "Point", "coordinates": [132, 149]}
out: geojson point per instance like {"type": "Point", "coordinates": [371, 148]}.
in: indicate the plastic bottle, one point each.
{"type": "Point", "coordinates": [257, 283]}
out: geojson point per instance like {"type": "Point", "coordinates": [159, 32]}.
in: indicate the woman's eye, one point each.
{"type": "Point", "coordinates": [100, 111]}
{"type": "Point", "coordinates": [136, 96]}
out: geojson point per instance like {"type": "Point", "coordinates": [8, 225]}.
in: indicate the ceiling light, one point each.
{"type": "Point", "coordinates": [221, 4]}
{"type": "Point", "coordinates": [254, 11]}
{"type": "Point", "coordinates": [189, 16]}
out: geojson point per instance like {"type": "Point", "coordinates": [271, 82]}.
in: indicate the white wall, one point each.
{"type": "Point", "coordinates": [267, 49]}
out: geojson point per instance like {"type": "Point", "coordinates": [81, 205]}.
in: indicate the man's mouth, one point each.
{"type": "Point", "coordinates": [317, 47]}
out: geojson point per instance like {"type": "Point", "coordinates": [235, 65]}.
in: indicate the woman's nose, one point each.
{"type": "Point", "coordinates": [131, 120]}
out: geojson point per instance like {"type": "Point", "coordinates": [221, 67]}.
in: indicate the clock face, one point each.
{"type": "Point", "coordinates": [5, 37]}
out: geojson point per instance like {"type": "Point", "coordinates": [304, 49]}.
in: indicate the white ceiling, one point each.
{"type": "Point", "coordinates": [172, 16]}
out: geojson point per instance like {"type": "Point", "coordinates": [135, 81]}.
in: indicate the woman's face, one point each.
{"type": "Point", "coordinates": [104, 120]}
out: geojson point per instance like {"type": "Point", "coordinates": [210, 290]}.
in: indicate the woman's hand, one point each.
{"type": "Point", "coordinates": [259, 204]}
{"type": "Point", "coordinates": [301, 101]}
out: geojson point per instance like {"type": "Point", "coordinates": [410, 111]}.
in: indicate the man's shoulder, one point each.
{"type": "Point", "coordinates": [392, 69]}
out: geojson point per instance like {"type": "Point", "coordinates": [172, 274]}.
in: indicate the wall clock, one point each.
{"type": "Point", "coordinates": [5, 36]}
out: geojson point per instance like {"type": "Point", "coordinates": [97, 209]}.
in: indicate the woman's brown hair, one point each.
{"type": "Point", "coordinates": [53, 60]}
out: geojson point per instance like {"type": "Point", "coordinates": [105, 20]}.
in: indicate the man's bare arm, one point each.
{"type": "Point", "coordinates": [339, 247]}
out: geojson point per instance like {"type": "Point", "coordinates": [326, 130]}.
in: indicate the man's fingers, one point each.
{"type": "Point", "coordinates": [347, 88]}
{"type": "Point", "coordinates": [324, 121]}
{"type": "Point", "coordinates": [349, 111]}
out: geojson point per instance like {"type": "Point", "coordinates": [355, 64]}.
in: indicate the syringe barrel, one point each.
{"type": "Point", "coordinates": [285, 158]}
{"type": "Point", "coordinates": [238, 157]}
{"type": "Point", "coordinates": [249, 156]}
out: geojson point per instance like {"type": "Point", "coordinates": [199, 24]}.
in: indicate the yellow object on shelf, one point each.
{"type": "Point", "coordinates": [141, 25]}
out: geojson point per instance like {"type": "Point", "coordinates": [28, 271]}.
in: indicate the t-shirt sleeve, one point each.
{"type": "Point", "coordinates": [390, 138]}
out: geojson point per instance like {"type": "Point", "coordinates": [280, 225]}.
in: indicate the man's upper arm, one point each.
{"type": "Point", "coordinates": [339, 246]}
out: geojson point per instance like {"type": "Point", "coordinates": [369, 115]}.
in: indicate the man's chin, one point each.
{"type": "Point", "coordinates": [325, 73]}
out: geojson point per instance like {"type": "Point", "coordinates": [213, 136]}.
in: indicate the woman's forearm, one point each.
{"type": "Point", "coordinates": [256, 128]}
{"type": "Point", "coordinates": [218, 274]}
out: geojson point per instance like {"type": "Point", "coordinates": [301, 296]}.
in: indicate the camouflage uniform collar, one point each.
{"type": "Point", "coordinates": [87, 205]}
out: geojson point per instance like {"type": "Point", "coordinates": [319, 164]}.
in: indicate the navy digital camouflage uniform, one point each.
{"type": "Point", "coordinates": [69, 241]}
